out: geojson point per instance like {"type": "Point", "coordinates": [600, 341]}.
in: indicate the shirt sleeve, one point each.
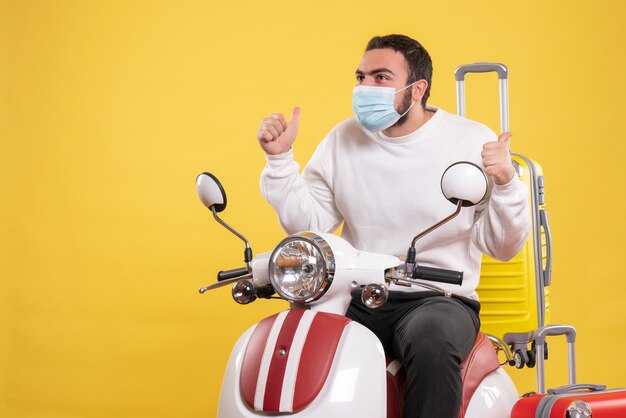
{"type": "Point", "coordinates": [302, 201]}
{"type": "Point", "coordinates": [503, 222]}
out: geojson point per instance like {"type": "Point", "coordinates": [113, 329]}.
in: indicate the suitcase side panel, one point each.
{"type": "Point", "coordinates": [512, 294]}
{"type": "Point", "coordinates": [603, 404]}
{"type": "Point", "coordinates": [526, 407]}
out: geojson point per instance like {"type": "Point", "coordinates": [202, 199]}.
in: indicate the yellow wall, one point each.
{"type": "Point", "coordinates": [4, 334]}
{"type": "Point", "coordinates": [109, 109]}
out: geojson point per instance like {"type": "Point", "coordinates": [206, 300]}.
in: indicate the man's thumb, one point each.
{"type": "Point", "coordinates": [504, 137]}
{"type": "Point", "coordinates": [295, 116]}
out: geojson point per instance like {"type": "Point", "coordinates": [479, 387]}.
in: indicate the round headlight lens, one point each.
{"type": "Point", "coordinates": [299, 268]}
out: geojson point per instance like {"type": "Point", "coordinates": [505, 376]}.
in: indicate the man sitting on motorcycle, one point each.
{"type": "Point", "coordinates": [379, 174]}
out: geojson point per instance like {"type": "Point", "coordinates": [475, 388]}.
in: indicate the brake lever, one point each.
{"type": "Point", "coordinates": [412, 282]}
{"type": "Point", "coordinates": [224, 283]}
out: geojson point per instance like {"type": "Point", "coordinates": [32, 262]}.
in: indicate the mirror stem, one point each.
{"type": "Point", "coordinates": [248, 251]}
{"type": "Point", "coordinates": [440, 223]}
{"type": "Point", "coordinates": [410, 257]}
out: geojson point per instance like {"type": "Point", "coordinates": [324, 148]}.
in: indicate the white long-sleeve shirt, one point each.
{"type": "Point", "coordinates": [386, 190]}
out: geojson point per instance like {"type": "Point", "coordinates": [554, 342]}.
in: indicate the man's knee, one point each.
{"type": "Point", "coordinates": [435, 332]}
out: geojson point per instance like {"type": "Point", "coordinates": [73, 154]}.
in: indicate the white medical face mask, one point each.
{"type": "Point", "coordinates": [373, 106]}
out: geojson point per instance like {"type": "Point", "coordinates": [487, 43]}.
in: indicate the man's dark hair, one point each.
{"type": "Point", "coordinates": [415, 55]}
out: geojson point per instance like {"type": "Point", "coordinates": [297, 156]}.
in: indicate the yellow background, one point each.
{"type": "Point", "coordinates": [109, 109]}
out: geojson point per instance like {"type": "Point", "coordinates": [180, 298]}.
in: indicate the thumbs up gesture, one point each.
{"type": "Point", "coordinates": [276, 135]}
{"type": "Point", "coordinates": [497, 160]}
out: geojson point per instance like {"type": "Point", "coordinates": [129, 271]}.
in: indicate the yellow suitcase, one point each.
{"type": "Point", "coordinates": [514, 294]}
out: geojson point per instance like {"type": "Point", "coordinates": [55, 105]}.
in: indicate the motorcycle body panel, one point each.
{"type": "Point", "coordinates": [494, 397]}
{"type": "Point", "coordinates": [350, 388]}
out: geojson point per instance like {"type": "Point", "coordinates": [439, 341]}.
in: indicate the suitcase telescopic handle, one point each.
{"type": "Point", "coordinates": [484, 67]}
{"type": "Point", "coordinates": [540, 340]}
{"type": "Point", "coordinates": [481, 67]}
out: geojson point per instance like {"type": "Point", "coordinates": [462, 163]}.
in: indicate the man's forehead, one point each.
{"type": "Point", "coordinates": [383, 59]}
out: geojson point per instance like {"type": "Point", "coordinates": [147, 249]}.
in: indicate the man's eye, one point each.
{"type": "Point", "coordinates": [360, 78]}
{"type": "Point", "coordinates": [381, 77]}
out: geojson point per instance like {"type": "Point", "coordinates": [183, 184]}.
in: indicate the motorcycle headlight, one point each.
{"type": "Point", "coordinates": [302, 267]}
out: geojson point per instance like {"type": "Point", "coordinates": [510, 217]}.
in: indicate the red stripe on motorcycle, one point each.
{"type": "Point", "coordinates": [317, 357]}
{"type": "Point", "coordinates": [276, 374]}
{"type": "Point", "coordinates": [252, 359]}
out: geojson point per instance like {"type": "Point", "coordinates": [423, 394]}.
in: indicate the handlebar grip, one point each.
{"type": "Point", "coordinates": [231, 274]}
{"type": "Point", "coordinates": [438, 275]}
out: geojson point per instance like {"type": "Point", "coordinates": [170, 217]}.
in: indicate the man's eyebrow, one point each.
{"type": "Point", "coordinates": [376, 71]}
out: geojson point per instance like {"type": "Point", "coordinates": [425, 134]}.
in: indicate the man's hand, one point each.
{"type": "Point", "coordinates": [276, 135]}
{"type": "Point", "coordinates": [497, 160]}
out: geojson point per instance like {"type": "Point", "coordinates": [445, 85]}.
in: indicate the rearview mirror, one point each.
{"type": "Point", "coordinates": [464, 181]}
{"type": "Point", "coordinates": [210, 191]}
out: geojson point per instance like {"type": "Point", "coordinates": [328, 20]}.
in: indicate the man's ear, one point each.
{"type": "Point", "coordinates": [418, 90]}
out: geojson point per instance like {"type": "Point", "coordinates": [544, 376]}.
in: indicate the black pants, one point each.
{"type": "Point", "coordinates": [431, 335]}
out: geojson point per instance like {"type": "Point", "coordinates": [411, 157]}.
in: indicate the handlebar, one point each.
{"type": "Point", "coordinates": [438, 275]}
{"type": "Point", "coordinates": [231, 274]}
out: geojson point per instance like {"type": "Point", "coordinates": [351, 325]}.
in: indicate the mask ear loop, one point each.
{"type": "Point", "coordinates": [405, 87]}
{"type": "Point", "coordinates": [409, 109]}
{"type": "Point", "coordinates": [412, 103]}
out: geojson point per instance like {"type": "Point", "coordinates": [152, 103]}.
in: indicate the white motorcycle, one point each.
{"type": "Point", "coordinates": [312, 361]}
